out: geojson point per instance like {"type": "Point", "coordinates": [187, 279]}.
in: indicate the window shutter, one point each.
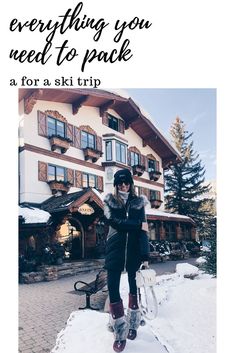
{"type": "Point", "coordinates": [128, 157]}
{"type": "Point", "coordinates": [100, 183]}
{"type": "Point", "coordinates": [77, 139]}
{"type": "Point", "coordinates": [99, 144]}
{"type": "Point", "coordinates": [158, 195]}
{"type": "Point", "coordinates": [105, 119]}
{"type": "Point", "coordinates": [157, 166]}
{"type": "Point", "coordinates": [69, 132]}
{"type": "Point", "coordinates": [42, 124]}
{"type": "Point", "coordinates": [146, 164]}
{"type": "Point", "coordinates": [70, 176]}
{"type": "Point", "coordinates": [143, 160]}
{"type": "Point", "coordinates": [78, 179]}
{"type": "Point", "coordinates": [145, 192]}
{"type": "Point", "coordinates": [42, 171]}
{"type": "Point", "coordinates": [121, 126]}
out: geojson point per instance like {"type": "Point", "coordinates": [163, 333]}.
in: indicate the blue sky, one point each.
{"type": "Point", "coordinates": [197, 109]}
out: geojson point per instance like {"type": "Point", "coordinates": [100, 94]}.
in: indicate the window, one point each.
{"type": "Point", "coordinates": [56, 173]}
{"type": "Point", "coordinates": [155, 195]}
{"type": "Point", "coordinates": [89, 180]}
{"type": "Point", "coordinates": [170, 232]}
{"type": "Point", "coordinates": [108, 149]}
{"type": "Point", "coordinates": [87, 140]}
{"type": "Point", "coordinates": [55, 127]}
{"type": "Point", "coordinates": [186, 231]}
{"type": "Point", "coordinates": [113, 122]}
{"type": "Point", "coordinates": [120, 152]}
{"type": "Point", "coordinates": [151, 165]}
{"type": "Point", "coordinates": [135, 158]}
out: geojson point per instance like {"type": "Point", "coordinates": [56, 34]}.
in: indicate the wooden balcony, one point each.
{"type": "Point", "coordinates": [62, 186]}
{"type": "Point", "coordinates": [155, 203]}
{"type": "Point", "coordinates": [154, 175]}
{"type": "Point", "coordinates": [92, 154]}
{"type": "Point", "coordinates": [138, 169]}
{"type": "Point", "coordinates": [59, 142]}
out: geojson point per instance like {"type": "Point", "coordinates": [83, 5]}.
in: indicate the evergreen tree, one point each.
{"type": "Point", "coordinates": [210, 266]}
{"type": "Point", "coordinates": [185, 181]}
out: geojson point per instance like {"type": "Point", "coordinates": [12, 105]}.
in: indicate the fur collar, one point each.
{"type": "Point", "coordinates": [137, 202]}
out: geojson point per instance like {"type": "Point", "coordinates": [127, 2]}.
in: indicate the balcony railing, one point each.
{"type": "Point", "coordinates": [57, 141]}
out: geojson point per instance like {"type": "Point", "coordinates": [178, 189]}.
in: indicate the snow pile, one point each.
{"type": "Point", "coordinates": [186, 321]}
{"type": "Point", "coordinates": [186, 269]}
{"type": "Point", "coordinates": [200, 260]}
{"type": "Point", "coordinates": [33, 215]}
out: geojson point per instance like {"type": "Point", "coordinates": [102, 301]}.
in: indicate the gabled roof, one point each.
{"type": "Point", "coordinates": [125, 107]}
{"type": "Point", "coordinates": [70, 202]}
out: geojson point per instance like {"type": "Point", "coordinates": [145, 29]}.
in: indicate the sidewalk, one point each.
{"type": "Point", "coordinates": [44, 309]}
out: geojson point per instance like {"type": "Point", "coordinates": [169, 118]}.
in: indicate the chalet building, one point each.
{"type": "Point", "coordinates": [72, 141]}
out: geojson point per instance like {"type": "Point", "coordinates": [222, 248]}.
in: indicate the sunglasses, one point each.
{"type": "Point", "coordinates": [123, 182]}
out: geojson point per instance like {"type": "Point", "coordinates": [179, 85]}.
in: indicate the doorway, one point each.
{"type": "Point", "coordinates": [71, 235]}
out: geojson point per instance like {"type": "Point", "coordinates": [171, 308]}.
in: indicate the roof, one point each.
{"type": "Point", "coordinates": [130, 112]}
{"type": "Point", "coordinates": [31, 215]}
{"type": "Point", "coordinates": [70, 201]}
{"type": "Point", "coordinates": [153, 214]}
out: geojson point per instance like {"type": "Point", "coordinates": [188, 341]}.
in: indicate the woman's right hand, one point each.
{"type": "Point", "coordinates": [145, 226]}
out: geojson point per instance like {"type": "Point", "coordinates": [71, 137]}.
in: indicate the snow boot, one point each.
{"type": "Point", "coordinates": [133, 316]}
{"type": "Point", "coordinates": [120, 325]}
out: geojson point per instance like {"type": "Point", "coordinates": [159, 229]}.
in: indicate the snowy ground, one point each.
{"type": "Point", "coordinates": [186, 321]}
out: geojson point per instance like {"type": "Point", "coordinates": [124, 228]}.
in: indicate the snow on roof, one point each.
{"type": "Point", "coordinates": [154, 212]}
{"type": "Point", "coordinates": [33, 215]}
{"type": "Point", "coordinates": [101, 196]}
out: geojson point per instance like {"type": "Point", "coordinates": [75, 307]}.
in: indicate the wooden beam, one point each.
{"type": "Point", "coordinates": [78, 103]}
{"type": "Point", "coordinates": [31, 100]}
{"type": "Point", "coordinates": [104, 107]}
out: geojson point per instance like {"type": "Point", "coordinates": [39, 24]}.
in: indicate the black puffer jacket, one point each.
{"type": "Point", "coordinates": [128, 245]}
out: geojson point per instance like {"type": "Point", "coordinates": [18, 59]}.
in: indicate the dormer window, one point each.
{"type": "Point", "coordinates": [87, 140]}
{"type": "Point", "coordinates": [113, 122]}
{"type": "Point", "coordinates": [55, 127]}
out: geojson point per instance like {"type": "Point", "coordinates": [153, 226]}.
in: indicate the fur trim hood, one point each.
{"type": "Point", "coordinates": [137, 202]}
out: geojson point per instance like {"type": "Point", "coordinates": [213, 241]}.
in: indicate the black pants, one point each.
{"type": "Point", "coordinates": [114, 284]}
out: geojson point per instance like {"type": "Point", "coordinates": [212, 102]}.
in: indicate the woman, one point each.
{"type": "Point", "coordinates": [127, 246]}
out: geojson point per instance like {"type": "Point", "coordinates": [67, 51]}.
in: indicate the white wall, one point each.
{"type": "Point", "coordinates": [33, 190]}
